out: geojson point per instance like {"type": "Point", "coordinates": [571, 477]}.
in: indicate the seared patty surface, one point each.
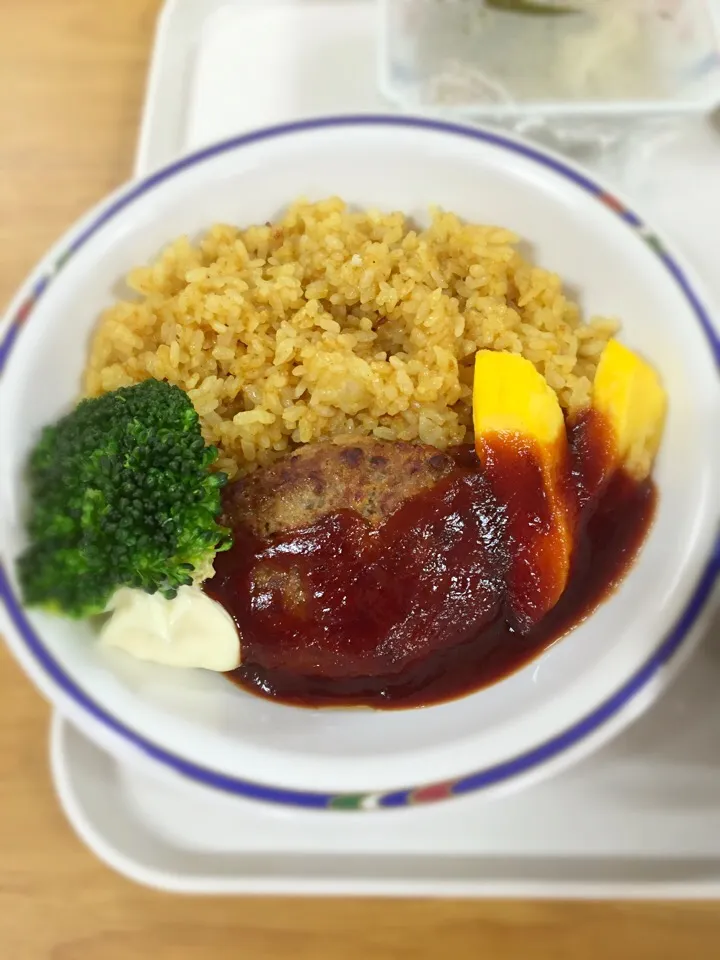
{"type": "Point", "coordinates": [371, 477]}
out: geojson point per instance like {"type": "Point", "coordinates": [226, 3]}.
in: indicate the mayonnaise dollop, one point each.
{"type": "Point", "coordinates": [192, 630]}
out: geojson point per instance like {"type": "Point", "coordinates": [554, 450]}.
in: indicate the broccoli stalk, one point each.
{"type": "Point", "coordinates": [121, 495]}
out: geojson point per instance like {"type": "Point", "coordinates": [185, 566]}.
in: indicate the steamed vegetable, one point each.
{"type": "Point", "coordinates": [628, 392]}
{"type": "Point", "coordinates": [121, 495]}
{"type": "Point", "coordinates": [517, 415]}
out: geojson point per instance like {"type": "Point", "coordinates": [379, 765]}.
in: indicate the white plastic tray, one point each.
{"type": "Point", "coordinates": [639, 819]}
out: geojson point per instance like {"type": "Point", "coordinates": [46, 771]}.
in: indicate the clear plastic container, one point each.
{"type": "Point", "coordinates": [577, 68]}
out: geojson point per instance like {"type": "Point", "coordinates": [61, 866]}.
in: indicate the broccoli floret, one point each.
{"type": "Point", "coordinates": [121, 495]}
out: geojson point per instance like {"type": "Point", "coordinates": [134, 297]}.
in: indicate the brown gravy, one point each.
{"type": "Point", "coordinates": [426, 589]}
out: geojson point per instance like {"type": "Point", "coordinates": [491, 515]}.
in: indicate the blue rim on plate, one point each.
{"type": "Point", "coordinates": [482, 779]}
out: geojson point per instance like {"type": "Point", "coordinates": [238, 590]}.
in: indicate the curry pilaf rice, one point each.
{"type": "Point", "coordinates": [334, 322]}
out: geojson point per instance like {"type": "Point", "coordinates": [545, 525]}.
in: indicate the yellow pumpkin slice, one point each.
{"type": "Point", "coordinates": [521, 441]}
{"type": "Point", "coordinates": [628, 393]}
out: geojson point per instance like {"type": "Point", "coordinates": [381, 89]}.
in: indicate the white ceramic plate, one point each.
{"type": "Point", "coordinates": [575, 694]}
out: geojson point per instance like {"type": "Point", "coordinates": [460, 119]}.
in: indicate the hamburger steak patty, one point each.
{"type": "Point", "coordinates": [358, 559]}
{"type": "Point", "coordinates": [371, 477]}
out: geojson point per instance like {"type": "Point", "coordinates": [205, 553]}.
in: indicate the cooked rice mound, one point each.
{"type": "Point", "coordinates": [334, 322]}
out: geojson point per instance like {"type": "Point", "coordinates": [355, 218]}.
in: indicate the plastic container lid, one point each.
{"type": "Point", "coordinates": [505, 59]}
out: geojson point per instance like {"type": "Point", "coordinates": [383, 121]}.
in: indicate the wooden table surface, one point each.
{"type": "Point", "coordinates": [72, 74]}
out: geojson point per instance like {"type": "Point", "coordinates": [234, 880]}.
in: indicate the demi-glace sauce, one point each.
{"type": "Point", "coordinates": [426, 589]}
